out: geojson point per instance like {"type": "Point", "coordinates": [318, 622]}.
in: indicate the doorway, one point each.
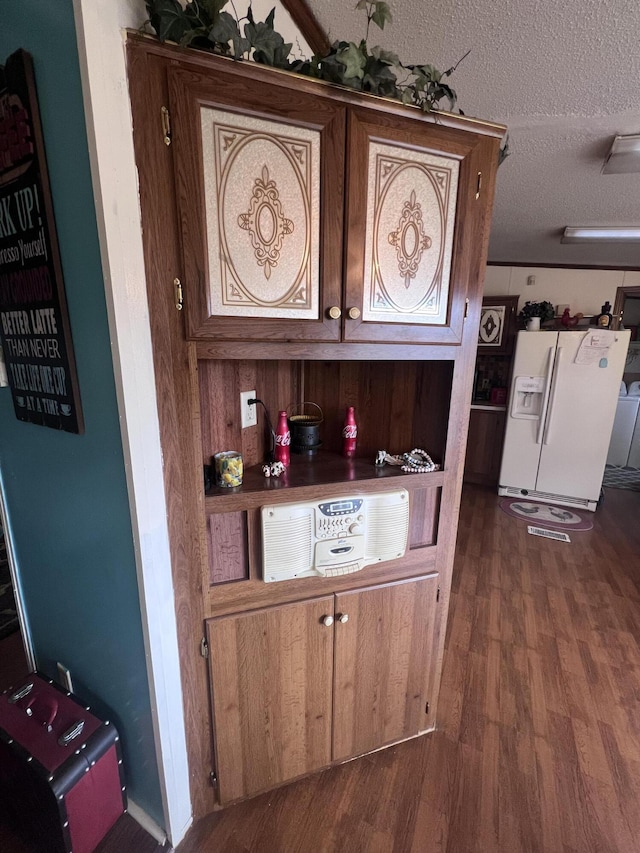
{"type": "Point", "coordinates": [626, 311]}
{"type": "Point", "coordinates": [623, 460]}
{"type": "Point", "coordinates": [623, 294]}
{"type": "Point", "coordinates": [16, 653]}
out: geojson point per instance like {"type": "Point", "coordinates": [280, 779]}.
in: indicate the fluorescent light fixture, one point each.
{"type": "Point", "coordinates": [624, 156]}
{"type": "Point", "coordinates": [602, 234]}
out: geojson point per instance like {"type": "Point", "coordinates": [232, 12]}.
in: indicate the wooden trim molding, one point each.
{"type": "Point", "coordinates": [306, 22]}
{"type": "Point", "coordinates": [618, 306]}
{"type": "Point", "coordinates": [621, 268]}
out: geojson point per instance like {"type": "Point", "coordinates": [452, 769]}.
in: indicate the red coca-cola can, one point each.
{"type": "Point", "coordinates": [349, 434]}
{"type": "Point", "coordinates": [283, 440]}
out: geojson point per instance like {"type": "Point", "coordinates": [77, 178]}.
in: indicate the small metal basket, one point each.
{"type": "Point", "coordinates": [305, 428]}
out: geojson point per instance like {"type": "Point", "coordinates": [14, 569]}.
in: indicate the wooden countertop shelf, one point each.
{"type": "Point", "coordinates": [303, 478]}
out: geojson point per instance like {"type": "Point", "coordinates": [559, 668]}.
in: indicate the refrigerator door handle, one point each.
{"type": "Point", "coordinates": [554, 388]}
{"type": "Point", "coordinates": [547, 388]}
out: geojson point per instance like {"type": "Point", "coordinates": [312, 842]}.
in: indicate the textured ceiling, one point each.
{"type": "Point", "coordinates": [564, 77]}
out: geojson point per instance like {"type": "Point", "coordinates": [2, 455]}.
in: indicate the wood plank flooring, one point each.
{"type": "Point", "coordinates": [537, 748]}
{"type": "Point", "coordinates": [538, 742]}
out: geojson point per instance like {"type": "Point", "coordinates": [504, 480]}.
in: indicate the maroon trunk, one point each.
{"type": "Point", "coordinates": [60, 768]}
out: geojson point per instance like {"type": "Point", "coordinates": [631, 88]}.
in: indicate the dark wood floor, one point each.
{"type": "Point", "coordinates": [537, 747]}
{"type": "Point", "coordinates": [538, 739]}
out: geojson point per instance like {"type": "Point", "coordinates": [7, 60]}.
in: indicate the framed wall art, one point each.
{"type": "Point", "coordinates": [35, 333]}
{"type": "Point", "coordinates": [497, 330]}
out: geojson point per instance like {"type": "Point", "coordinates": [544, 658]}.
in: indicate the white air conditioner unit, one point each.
{"type": "Point", "coordinates": [333, 537]}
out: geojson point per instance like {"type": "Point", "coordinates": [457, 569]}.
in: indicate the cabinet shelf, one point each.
{"type": "Point", "coordinates": [335, 474]}
{"type": "Point", "coordinates": [486, 406]}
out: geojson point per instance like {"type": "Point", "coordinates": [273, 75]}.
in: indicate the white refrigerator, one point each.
{"type": "Point", "coordinates": [564, 391]}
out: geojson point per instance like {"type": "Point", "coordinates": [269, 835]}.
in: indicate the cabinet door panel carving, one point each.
{"type": "Point", "coordinates": [411, 204]}
{"type": "Point", "coordinates": [262, 198]}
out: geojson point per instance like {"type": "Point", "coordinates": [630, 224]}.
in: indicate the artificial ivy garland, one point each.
{"type": "Point", "coordinates": [207, 25]}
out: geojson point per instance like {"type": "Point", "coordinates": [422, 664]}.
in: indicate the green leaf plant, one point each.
{"type": "Point", "coordinates": [208, 25]}
{"type": "Point", "coordinates": [544, 310]}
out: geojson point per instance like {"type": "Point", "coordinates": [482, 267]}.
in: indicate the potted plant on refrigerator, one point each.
{"type": "Point", "coordinates": [532, 314]}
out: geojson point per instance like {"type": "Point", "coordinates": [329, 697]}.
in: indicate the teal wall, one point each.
{"type": "Point", "coordinates": [66, 494]}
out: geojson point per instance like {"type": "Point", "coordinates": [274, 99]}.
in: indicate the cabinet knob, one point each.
{"type": "Point", "coordinates": [335, 313]}
{"type": "Point", "coordinates": [327, 621]}
{"type": "Point", "coordinates": [343, 617]}
{"type": "Point", "coordinates": [354, 313]}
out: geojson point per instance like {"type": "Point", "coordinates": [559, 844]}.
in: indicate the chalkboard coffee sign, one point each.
{"type": "Point", "coordinates": [34, 322]}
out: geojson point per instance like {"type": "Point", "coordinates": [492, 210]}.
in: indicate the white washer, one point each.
{"type": "Point", "coordinates": [634, 451]}
{"type": "Point", "coordinates": [622, 436]}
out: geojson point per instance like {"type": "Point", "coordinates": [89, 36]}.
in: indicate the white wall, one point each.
{"type": "Point", "coordinates": [100, 27]}
{"type": "Point", "coordinates": [282, 22]}
{"type": "Point", "coordinates": [583, 290]}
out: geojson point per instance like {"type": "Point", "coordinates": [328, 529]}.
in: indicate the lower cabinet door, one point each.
{"type": "Point", "coordinates": [384, 664]}
{"type": "Point", "coordinates": [484, 447]}
{"type": "Point", "coordinates": [271, 676]}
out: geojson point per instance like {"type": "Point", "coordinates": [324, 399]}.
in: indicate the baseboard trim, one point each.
{"type": "Point", "coordinates": [140, 816]}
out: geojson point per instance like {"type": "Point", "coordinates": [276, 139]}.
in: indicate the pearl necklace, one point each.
{"type": "Point", "coordinates": [417, 461]}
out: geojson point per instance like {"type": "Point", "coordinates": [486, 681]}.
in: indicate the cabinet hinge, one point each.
{"type": "Point", "coordinates": [438, 594]}
{"type": "Point", "coordinates": [204, 647]}
{"type": "Point", "coordinates": [426, 708]}
{"type": "Point", "coordinates": [213, 778]}
{"type": "Point", "coordinates": [479, 185]}
{"type": "Point", "coordinates": [466, 309]}
{"type": "Point", "coordinates": [177, 286]}
{"type": "Point", "coordinates": [166, 125]}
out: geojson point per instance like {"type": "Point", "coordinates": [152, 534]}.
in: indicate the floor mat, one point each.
{"type": "Point", "coordinates": [547, 515]}
{"type": "Point", "coordinates": [617, 477]}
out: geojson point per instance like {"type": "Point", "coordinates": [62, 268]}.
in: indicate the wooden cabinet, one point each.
{"type": "Point", "coordinates": [496, 339]}
{"type": "Point", "coordinates": [359, 663]}
{"type": "Point", "coordinates": [275, 184]}
{"type": "Point", "coordinates": [497, 332]}
{"type": "Point", "coordinates": [278, 199]}
{"type": "Point", "coordinates": [484, 446]}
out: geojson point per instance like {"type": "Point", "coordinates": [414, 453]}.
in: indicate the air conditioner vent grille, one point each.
{"type": "Point", "coordinates": [288, 545]}
{"type": "Point", "coordinates": [549, 534]}
{"type": "Point", "coordinates": [387, 531]}
{"type": "Point", "coordinates": [546, 497]}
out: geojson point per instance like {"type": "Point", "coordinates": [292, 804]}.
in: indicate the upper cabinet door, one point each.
{"type": "Point", "coordinates": [260, 173]}
{"type": "Point", "coordinates": [411, 186]}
